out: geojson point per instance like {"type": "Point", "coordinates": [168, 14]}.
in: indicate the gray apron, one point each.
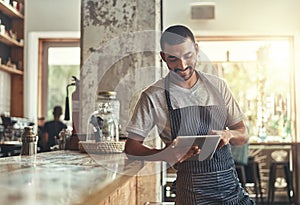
{"type": "Point", "coordinates": [212, 181]}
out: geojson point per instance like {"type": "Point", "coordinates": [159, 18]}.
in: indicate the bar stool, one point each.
{"type": "Point", "coordinates": [274, 167]}
{"type": "Point", "coordinates": [249, 173]}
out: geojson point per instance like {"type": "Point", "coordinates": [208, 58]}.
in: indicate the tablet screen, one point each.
{"type": "Point", "coordinates": [207, 143]}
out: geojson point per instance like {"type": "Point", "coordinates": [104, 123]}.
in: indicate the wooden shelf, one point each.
{"type": "Point", "coordinates": [14, 51]}
{"type": "Point", "coordinates": [9, 41]}
{"type": "Point", "coordinates": [11, 70]}
{"type": "Point", "coordinates": [10, 11]}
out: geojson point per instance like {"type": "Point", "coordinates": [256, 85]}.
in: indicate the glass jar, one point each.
{"type": "Point", "coordinates": [108, 109]}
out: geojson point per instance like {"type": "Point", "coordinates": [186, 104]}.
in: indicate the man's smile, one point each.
{"type": "Point", "coordinates": [178, 70]}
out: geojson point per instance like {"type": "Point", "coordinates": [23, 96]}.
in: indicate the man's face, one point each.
{"type": "Point", "coordinates": [181, 58]}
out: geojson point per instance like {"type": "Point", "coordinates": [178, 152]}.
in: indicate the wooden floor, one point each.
{"type": "Point", "coordinates": [277, 202]}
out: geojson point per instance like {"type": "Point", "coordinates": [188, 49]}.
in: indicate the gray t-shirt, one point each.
{"type": "Point", "coordinates": [151, 109]}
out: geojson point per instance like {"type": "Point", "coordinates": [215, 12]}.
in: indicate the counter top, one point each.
{"type": "Point", "coordinates": [63, 177]}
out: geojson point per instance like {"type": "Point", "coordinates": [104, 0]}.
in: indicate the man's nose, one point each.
{"type": "Point", "coordinates": [182, 64]}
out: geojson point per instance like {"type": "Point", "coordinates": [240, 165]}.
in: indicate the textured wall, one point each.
{"type": "Point", "coordinates": [120, 51]}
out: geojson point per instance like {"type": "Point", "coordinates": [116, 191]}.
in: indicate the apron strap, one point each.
{"type": "Point", "coordinates": [170, 108]}
{"type": "Point", "coordinates": [167, 92]}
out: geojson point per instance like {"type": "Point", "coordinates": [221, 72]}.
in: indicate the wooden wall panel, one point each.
{"type": "Point", "coordinates": [17, 93]}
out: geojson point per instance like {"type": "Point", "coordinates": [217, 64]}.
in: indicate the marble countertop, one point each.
{"type": "Point", "coordinates": [62, 177]}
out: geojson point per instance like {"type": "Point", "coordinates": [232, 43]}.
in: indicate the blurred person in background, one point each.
{"type": "Point", "coordinates": [51, 129]}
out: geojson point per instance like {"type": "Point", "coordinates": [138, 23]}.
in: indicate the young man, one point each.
{"type": "Point", "coordinates": [189, 102]}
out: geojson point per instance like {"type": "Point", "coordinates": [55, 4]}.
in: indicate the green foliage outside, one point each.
{"type": "Point", "coordinates": [59, 76]}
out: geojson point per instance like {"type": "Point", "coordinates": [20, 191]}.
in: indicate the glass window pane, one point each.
{"type": "Point", "coordinates": [258, 73]}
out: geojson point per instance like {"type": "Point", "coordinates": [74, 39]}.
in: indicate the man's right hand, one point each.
{"type": "Point", "coordinates": [135, 149]}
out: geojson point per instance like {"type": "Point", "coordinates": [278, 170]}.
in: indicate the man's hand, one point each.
{"type": "Point", "coordinates": [235, 134]}
{"type": "Point", "coordinates": [225, 136]}
{"type": "Point", "coordinates": [181, 154]}
{"type": "Point", "coordinates": [171, 153]}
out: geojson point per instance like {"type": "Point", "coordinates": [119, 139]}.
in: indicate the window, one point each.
{"type": "Point", "coordinates": [258, 71]}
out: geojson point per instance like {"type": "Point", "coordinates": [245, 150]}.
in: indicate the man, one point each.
{"type": "Point", "coordinates": [188, 102]}
{"type": "Point", "coordinates": [51, 129]}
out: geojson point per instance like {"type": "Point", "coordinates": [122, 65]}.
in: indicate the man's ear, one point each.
{"type": "Point", "coordinates": [163, 56]}
{"type": "Point", "coordinates": [197, 47]}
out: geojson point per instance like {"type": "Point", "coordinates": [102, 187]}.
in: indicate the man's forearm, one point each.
{"type": "Point", "coordinates": [238, 137]}
{"type": "Point", "coordinates": [136, 150]}
{"type": "Point", "coordinates": [239, 134]}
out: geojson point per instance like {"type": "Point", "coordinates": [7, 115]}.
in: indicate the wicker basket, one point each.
{"type": "Point", "coordinates": [101, 147]}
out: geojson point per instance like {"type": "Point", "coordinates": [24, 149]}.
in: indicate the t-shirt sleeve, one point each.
{"type": "Point", "coordinates": [142, 119]}
{"type": "Point", "coordinates": [234, 112]}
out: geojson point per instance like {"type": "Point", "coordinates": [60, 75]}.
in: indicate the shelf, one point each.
{"type": "Point", "coordinates": [10, 11]}
{"type": "Point", "coordinates": [11, 70]}
{"type": "Point", "coordinates": [9, 41]}
{"type": "Point", "coordinates": [12, 49]}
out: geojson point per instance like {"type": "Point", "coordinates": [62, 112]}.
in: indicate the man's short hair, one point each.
{"type": "Point", "coordinates": [175, 35]}
{"type": "Point", "coordinates": [57, 110]}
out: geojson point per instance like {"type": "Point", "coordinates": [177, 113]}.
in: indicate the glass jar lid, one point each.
{"type": "Point", "coordinates": [107, 94]}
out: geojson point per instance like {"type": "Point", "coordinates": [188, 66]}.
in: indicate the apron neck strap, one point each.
{"type": "Point", "coordinates": [167, 92]}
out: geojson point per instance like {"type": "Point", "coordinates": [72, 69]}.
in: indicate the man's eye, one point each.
{"type": "Point", "coordinates": [189, 56]}
{"type": "Point", "coordinates": [173, 59]}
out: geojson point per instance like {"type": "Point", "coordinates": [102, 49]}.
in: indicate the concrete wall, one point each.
{"type": "Point", "coordinates": [120, 51]}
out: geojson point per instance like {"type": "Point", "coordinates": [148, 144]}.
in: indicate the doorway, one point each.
{"type": "Point", "coordinates": [59, 60]}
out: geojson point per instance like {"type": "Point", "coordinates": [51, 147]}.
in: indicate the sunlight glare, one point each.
{"type": "Point", "coordinates": [279, 54]}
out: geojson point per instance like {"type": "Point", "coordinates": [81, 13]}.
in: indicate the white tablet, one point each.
{"type": "Point", "coordinates": [207, 143]}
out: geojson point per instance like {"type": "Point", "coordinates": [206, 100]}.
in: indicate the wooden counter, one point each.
{"type": "Point", "coordinates": [71, 178]}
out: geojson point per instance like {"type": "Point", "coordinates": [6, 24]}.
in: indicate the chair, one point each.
{"type": "Point", "coordinates": [249, 173]}
{"type": "Point", "coordinates": [274, 167]}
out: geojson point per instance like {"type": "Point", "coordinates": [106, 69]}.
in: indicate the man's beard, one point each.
{"type": "Point", "coordinates": [178, 77]}
{"type": "Point", "coordinates": [188, 75]}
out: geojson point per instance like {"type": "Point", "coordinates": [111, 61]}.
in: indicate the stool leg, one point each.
{"type": "Point", "coordinates": [269, 187]}
{"type": "Point", "coordinates": [272, 176]}
{"type": "Point", "coordinates": [289, 183]}
{"type": "Point", "coordinates": [254, 173]}
{"type": "Point", "coordinates": [242, 175]}
{"type": "Point", "coordinates": [270, 184]}
{"type": "Point", "coordinates": [259, 182]}
{"type": "Point", "coordinates": [273, 182]}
